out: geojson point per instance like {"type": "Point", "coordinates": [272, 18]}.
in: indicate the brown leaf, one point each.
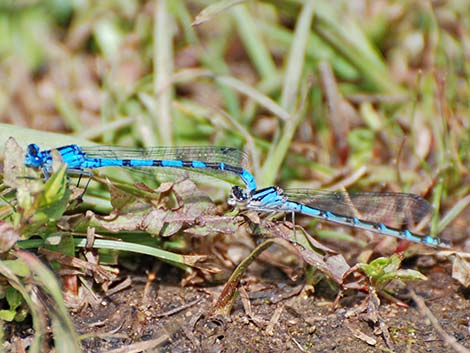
{"type": "Point", "coordinates": [8, 236]}
{"type": "Point", "coordinates": [461, 270]}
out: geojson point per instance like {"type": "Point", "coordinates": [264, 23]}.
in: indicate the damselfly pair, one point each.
{"type": "Point", "coordinates": [383, 213]}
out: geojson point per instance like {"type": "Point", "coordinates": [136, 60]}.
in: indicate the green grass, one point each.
{"type": "Point", "coordinates": [319, 95]}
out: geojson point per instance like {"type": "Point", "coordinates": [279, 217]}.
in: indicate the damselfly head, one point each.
{"type": "Point", "coordinates": [238, 196]}
{"type": "Point", "coordinates": [32, 158]}
{"type": "Point", "coordinates": [279, 190]}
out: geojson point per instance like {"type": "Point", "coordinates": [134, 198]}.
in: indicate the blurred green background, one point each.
{"type": "Point", "coordinates": [376, 87]}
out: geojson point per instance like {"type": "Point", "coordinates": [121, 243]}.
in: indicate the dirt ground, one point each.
{"type": "Point", "coordinates": [277, 317]}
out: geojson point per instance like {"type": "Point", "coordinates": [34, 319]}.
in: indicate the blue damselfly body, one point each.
{"type": "Point", "coordinates": [383, 213]}
{"type": "Point", "coordinates": [80, 159]}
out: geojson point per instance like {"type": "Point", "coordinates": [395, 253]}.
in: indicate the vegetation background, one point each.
{"type": "Point", "coordinates": [364, 95]}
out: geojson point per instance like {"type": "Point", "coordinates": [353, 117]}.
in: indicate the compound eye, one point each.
{"type": "Point", "coordinates": [239, 194]}
{"type": "Point", "coordinates": [33, 150]}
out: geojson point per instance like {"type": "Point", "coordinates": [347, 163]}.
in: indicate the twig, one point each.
{"type": "Point", "coordinates": [298, 344]}
{"type": "Point", "coordinates": [180, 308]}
{"type": "Point", "coordinates": [141, 346]}
{"type": "Point", "coordinates": [146, 299]}
{"type": "Point", "coordinates": [274, 320]}
{"type": "Point", "coordinates": [448, 340]}
{"type": "Point", "coordinates": [121, 286]}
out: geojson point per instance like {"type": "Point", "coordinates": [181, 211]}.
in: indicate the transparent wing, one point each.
{"type": "Point", "coordinates": [215, 154]}
{"type": "Point", "coordinates": [389, 208]}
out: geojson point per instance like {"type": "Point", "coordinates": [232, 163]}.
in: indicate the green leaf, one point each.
{"type": "Point", "coordinates": [37, 314]}
{"type": "Point", "coordinates": [404, 275]}
{"type": "Point", "coordinates": [383, 270]}
{"type": "Point", "coordinates": [175, 259]}
{"type": "Point", "coordinates": [67, 245]}
{"type": "Point", "coordinates": [18, 267]}
{"type": "Point", "coordinates": [63, 330]}
{"type": "Point", "coordinates": [53, 201]}
{"type": "Point", "coordinates": [376, 268]}
{"type": "Point", "coordinates": [14, 298]}
{"type": "Point", "coordinates": [21, 314]}
{"type": "Point", "coordinates": [7, 315]}
{"type": "Point", "coordinates": [213, 10]}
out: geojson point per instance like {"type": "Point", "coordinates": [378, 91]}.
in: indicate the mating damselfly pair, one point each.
{"type": "Point", "coordinates": [383, 213]}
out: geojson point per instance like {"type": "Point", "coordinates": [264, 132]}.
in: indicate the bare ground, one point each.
{"type": "Point", "coordinates": [277, 317]}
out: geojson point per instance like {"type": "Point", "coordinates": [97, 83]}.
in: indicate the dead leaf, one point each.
{"type": "Point", "coordinates": [461, 270]}
{"type": "Point", "coordinates": [8, 236]}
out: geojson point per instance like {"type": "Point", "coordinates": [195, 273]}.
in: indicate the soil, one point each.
{"type": "Point", "coordinates": [276, 317]}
